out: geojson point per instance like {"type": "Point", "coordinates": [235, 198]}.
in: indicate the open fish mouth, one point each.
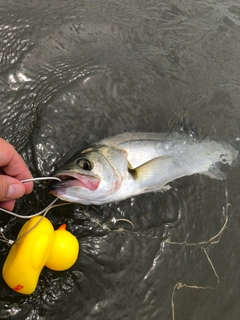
{"type": "Point", "coordinates": [74, 180]}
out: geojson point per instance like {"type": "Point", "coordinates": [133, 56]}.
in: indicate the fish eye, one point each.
{"type": "Point", "coordinates": [84, 164]}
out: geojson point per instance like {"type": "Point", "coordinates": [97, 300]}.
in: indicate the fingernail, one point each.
{"type": "Point", "coordinates": [15, 191]}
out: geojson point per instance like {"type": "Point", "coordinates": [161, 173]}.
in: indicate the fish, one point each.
{"type": "Point", "coordinates": [130, 164]}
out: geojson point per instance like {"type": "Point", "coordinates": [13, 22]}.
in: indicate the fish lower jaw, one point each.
{"type": "Point", "coordinates": [71, 199]}
{"type": "Point", "coordinates": [71, 195]}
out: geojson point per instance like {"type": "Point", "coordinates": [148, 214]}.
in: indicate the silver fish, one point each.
{"type": "Point", "coordinates": [130, 164]}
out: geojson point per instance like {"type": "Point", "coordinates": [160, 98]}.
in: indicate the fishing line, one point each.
{"type": "Point", "coordinates": [115, 221]}
{"type": "Point", "coordinates": [121, 230]}
{"type": "Point", "coordinates": [39, 179]}
{"type": "Point", "coordinates": [204, 245]}
{"type": "Point", "coordinates": [35, 225]}
{"type": "Point", "coordinates": [40, 212]}
{"type": "Point", "coordinates": [4, 239]}
{"type": "Point", "coordinates": [10, 242]}
{"type": "Point", "coordinates": [30, 216]}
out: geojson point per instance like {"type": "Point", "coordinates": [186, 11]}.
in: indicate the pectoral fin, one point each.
{"type": "Point", "coordinates": [150, 172]}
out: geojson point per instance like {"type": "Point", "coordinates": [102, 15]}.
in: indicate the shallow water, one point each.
{"type": "Point", "coordinates": [73, 72]}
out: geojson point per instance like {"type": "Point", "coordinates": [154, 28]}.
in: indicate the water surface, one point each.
{"type": "Point", "coordinates": [73, 72]}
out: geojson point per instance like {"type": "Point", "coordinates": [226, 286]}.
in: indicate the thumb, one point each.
{"type": "Point", "coordinates": [10, 188]}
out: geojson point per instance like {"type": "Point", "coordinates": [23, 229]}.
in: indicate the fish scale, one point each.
{"type": "Point", "coordinates": [130, 164]}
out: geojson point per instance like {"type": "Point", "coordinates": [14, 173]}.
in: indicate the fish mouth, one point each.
{"type": "Point", "coordinates": [71, 179]}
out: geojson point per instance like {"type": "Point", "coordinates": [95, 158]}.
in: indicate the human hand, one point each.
{"type": "Point", "coordinates": [12, 170]}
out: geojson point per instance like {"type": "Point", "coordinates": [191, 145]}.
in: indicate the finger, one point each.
{"type": "Point", "coordinates": [7, 205]}
{"type": "Point", "coordinates": [10, 188]}
{"type": "Point", "coordinates": [28, 187]}
{"type": "Point", "coordinates": [12, 163]}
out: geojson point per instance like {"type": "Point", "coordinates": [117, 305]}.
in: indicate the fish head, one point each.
{"type": "Point", "coordinates": [91, 176]}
